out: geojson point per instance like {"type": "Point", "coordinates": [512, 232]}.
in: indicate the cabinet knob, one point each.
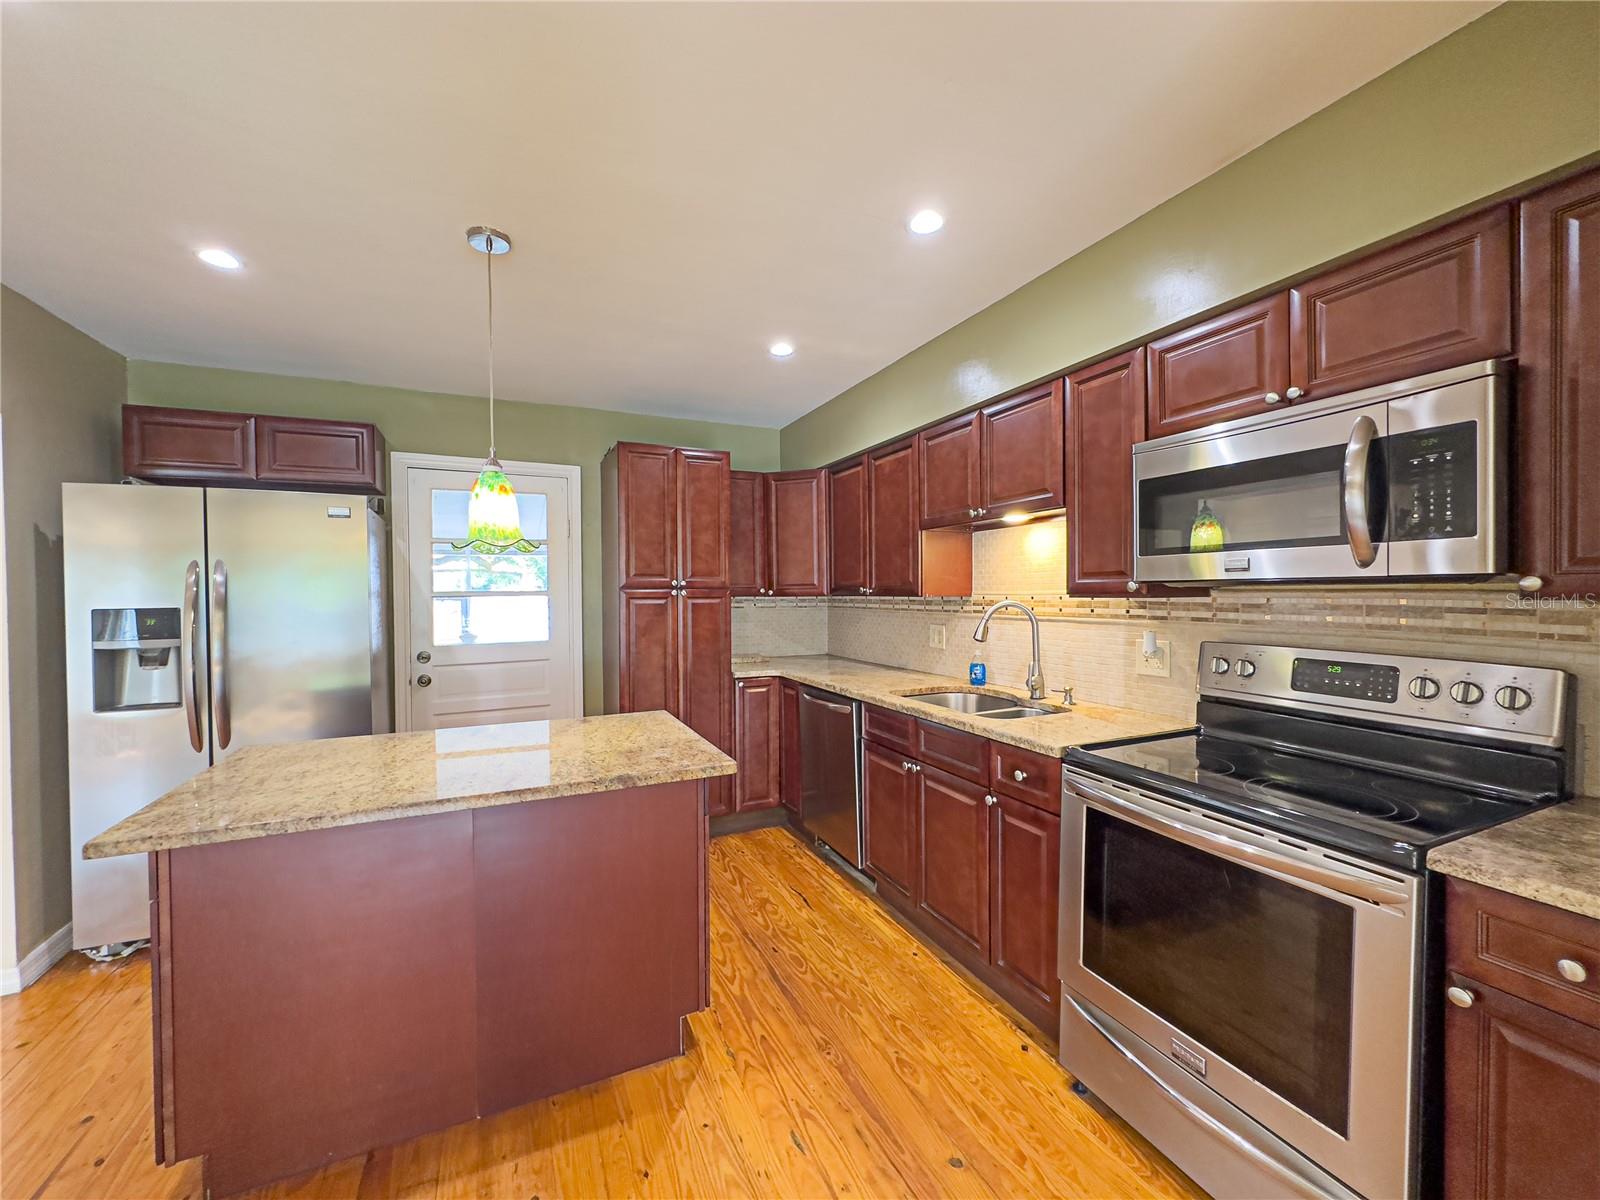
{"type": "Point", "coordinates": [991, 801]}
{"type": "Point", "coordinates": [1572, 970]}
{"type": "Point", "coordinates": [1132, 586]}
{"type": "Point", "coordinates": [1459, 996]}
{"type": "Point", "coordinates": [424, 680]}
{"type": "Point", "coordinates": [1272, 398]}
{"type": "Point", "coordinates": [1530, 583]}
{"type": "Point", "coordinates": [1295, 393]}
{"type": "Point", "coordinates": [1019, 775]}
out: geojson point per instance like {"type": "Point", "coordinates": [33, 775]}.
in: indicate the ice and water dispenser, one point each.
{"type": "Point", "coordinates": [136, 652]}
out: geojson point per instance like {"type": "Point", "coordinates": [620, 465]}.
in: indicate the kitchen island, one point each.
{"type": "Point", "coordinates": [360, 940]}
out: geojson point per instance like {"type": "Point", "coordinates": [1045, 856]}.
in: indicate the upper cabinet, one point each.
{"type": "Point", "coordinates": [1105, 416]}
{"type": "Point", "coordinates": [748, 552]}
{"type": "Point", "coordinates": [673, 516]}
{"type": "Point", "coordinates": [1431, 302]}
{"type": "Point", "coordinates": [847, 528]}
{"type": "Point", "coordinates": [176, 445]}
{"type": "Point", "coordinates": [1004, 458]}
{"type": "Point", "coordinates": [1558, 389]}
{"type": "Point", "coordinates": [1234, 365]}
{"type": "Point", "coordinates": [892, 527]}
{"type": "Point", "coordinates": [876, 545]}
{"type": "Point", "coordinates": [797, 533]}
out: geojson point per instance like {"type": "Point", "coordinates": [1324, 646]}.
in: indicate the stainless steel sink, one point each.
{"type": "Point", "coordinates": [1021, 710]}
{"type": "Point", "coordinates": [1001, 708]}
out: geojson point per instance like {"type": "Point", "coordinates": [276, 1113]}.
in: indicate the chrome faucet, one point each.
{"type": "Point", "coordinates": [981, 634]}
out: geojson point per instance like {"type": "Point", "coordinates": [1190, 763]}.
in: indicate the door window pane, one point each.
{"type": "Point", "coordinates": [450, 515]}
{"type": "Point", "coordinates": [1257, 970]}
{"type": "Point", "coordinates": [464, 571]}
{"type": "Point", "coordinates": [490, 619]}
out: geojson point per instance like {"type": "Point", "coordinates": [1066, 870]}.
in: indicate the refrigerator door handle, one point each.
{"type": "Point", "coordinates": [221, 715]}
{"type": "Point", "coordinates": [189, 636]}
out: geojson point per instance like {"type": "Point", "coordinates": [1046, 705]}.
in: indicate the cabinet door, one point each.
{"type": "Point", "coordinates": [703, 518]}
{"type": "Point", "coordinates": [889, 802]}
{"type": "Point", "coordinates": [893, 535]}
{"type": "Point", "coordinates": [953, 856]}
{"type": "Point", "coordinates": [949, 458]}
{"type": "Point", "coordinates": [180, 444]}
{"type": "Point", "coordinates": [1558, 389]}
{"type": "Point", "coordinates": [319, 455]}
{"type": "Point", "coordinates": [647, 516]}
{"type": "Point", "coordinates": [789, 780]}
{"type": "Point", "coordinates": [1233, 365]}
{"type": "Point", "coordinates": [1027, 886]}
{"type": "Point", "coordinates": [705, 640]}
{"type": "Point", "coordinates": [1435, 301]}
{"type": "Point", "coordinates": [1022, 453]}
{"type": "Point", "coordinates": [798, 523]}
{"type": "Point", "coordinates": [756, 739]}
{"type": "Point", "coordinates": [1105, 417]}
{"type": "Point", "coordinates": [1522, 1099]}
{"type": "Point", "coordinates": [747, 533]}
{"type": "Point", "coordinates": [847, 529]}
{"type": "Point", "coordinates": [648, 659]}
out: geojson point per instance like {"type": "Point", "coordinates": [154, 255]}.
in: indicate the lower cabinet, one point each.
{"type": "Point", "coordinates": [789, 750]}
{"type": "Point", "coordinates": [1026, 883]}
{"type": "Point", "coordinates": [953, 855]}
{"type": "Point", "coordinates": [756, 741]}
{"type": "Point", "coordinates": [889, 803]}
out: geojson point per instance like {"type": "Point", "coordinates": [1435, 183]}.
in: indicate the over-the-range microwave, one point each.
{"type": "Point", "coordinates": [1402, 481]}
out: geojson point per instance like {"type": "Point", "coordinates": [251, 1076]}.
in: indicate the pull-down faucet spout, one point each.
{"type": "Point", "coordinates": [981, 634]}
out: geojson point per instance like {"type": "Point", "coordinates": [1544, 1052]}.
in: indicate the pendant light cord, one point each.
{"type": "Point", "coordinates": [489, 265]}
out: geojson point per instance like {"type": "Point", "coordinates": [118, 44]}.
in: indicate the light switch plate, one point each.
{"type": "Point", "coordinates": [936, 637]}
{"type": "Point", "coordinates": [1158, 664]}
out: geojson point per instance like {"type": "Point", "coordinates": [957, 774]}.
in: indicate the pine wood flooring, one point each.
{"type": "Point", "coordinates": [840, 1058]}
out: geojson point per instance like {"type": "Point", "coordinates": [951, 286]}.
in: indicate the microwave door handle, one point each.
{"type": "Point", "coordinates": [188, 653]}
{"type": "Point", "coordinates": [221, 708]}
{"type": "Point", "coordinates": [1353, 490]}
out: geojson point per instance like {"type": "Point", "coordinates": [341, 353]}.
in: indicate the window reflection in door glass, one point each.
{"type": "Point", "coordinates": [489, 620]}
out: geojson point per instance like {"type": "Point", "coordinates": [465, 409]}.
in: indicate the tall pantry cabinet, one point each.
{"type": "Point", "coordinates": [665, 528]}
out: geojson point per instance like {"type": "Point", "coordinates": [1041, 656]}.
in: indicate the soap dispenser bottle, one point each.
{"type": "Point", "coordinates": [977, 669]}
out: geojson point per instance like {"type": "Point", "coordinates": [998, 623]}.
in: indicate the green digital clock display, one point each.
{"type": "Point", "coordinates": [1335, 669]}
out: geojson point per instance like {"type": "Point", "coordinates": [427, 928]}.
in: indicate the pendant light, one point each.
{"type": "Point", "coordinates": [493, 524]}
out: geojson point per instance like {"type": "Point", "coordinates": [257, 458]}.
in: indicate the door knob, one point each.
{"type": "Point", "coordinates": [423, 656]}
{"type": "Point", "coordinates": [424, 680]}
{"type": "Point", "coordinates": [1572, 970]}
{"type": "Point", "coordinates": [1459, 996]}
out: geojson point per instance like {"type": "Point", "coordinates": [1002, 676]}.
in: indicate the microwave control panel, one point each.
{"type": "Point", "coordinates": [1433, 483]}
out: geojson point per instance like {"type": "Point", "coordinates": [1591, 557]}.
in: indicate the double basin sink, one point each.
{"type": "Point", "coordinates": [977, 704]}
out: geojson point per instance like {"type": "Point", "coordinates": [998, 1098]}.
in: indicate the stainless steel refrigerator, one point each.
{"type": "Point", "coordinates": [200, 621]}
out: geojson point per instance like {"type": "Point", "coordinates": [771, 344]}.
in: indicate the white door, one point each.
{"type": "Point", "coordinates": [488, 638]}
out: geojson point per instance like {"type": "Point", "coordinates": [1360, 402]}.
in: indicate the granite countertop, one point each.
{"type": "Point", "coordinates": [892, 688]}
{"type": "Point", "coordinates": [1551, 855]}
{"type": "Point", "coordinates": [265, 790]}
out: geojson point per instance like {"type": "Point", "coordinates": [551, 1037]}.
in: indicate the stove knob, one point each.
{"type": "Point", "coordinates": [1513, 699]}
{"type": "Point", "coordinates": [1219, 666]}
{"type": "Point", "coordinates": [1424, 687]}
{"type": "Point", "coordinates": [1245, 668]}
{"type": "Point", "coordinates": [1464, 691]}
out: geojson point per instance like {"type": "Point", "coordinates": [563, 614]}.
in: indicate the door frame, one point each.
{"type": "Point", "coordinates": [400, 464]}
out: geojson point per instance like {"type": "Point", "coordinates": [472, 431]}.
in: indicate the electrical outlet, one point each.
{"type": "Point", "coordinates": [1158, 664]}
{"type": "Point", "coordinates": [936, 637]}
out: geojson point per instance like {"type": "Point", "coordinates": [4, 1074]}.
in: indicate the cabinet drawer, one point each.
{"type": "Point", "coordinates": [889, 729]}
{"type": "Point", "coordinates": [962, 754]}
{"type": "Point", "coordinates": [1025, 775]}
{"type": "Point", "coordinates": [1518, 945]}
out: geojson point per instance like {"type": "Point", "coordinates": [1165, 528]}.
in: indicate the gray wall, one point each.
{"type": "Point", "coordinates": [60, 395]}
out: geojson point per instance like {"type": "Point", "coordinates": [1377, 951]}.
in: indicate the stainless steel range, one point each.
{"type": "Point", "coordinates": [1247, 924]}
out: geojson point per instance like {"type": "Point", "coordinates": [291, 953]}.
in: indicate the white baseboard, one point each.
{"type": "Point", "coordinates": [43, 956]}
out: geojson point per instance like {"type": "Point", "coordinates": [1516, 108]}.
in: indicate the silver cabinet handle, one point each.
{"type": "Point", "coordinates": [1353, 491]}
{"type": "Point", "coordinates": [1294, 393]}
{"type": "Point", "coordinates": [1272, 398]}
{"type": "Point", "coordinates": [1132, 586]}
{"type": "Point", "coordinates": [424, 680]}
{"type": "Point", "coordinates": [1530, 583]}
{"type": "Point", "coordinates": [1572, 970]}
{"type": "Point", "coordinates": [189, 637]}
{"type": "Point", "coordinates": [991, 801]}
{"type": "Point", "coordinates": [1019, 775]}
{"type": "Point", "coordinates": [905, 765]}
{"type": "Point", "coordinates": [221, 710]}
{"type": "Point", "coordinates": [1459, 996]}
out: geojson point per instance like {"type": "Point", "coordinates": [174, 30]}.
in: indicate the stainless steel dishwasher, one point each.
{"type": "Point", "coordinates": [830, 772]}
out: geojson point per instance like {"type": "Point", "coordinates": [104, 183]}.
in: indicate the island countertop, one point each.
{"type": "Point", "coordinates": [262, 791]}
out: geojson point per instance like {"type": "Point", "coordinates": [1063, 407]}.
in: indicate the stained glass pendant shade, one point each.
{"type": "Point", "coordinates": [493, 523]}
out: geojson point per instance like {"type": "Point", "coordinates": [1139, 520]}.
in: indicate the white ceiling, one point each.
{"type": "Point", "coordinates": [684, 182]}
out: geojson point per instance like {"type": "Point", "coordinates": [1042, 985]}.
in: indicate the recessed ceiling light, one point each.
{"type": "Point", "coordinates": [925, 222]}
{"type": "Point", "coordinates": [780, 349]}
{"type": "Point", "coordinates": [218, 258]}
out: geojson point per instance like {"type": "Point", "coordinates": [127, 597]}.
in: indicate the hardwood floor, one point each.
{"type": "Point", "coordinates": [841, 1057]}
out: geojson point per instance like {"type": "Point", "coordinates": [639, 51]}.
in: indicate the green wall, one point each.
{"type": "Point", "coordinates": [433, 423]}
{"type": "Point", "coordinates": [60, 398]}
{"type": "Point", "coordinates": [1510, 97]}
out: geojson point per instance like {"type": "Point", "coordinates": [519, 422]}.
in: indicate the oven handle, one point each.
{"type": "Point", "coordinates": [1353, 477]}
{"type": "Point", "coordinates": [1226, 847]}
{"type": "Point", "coordinates": [1199, 1115]}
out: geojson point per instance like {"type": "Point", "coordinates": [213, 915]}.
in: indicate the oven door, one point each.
{"type": "Point", "coordinates": [1291, 497]}
{"type": "Point", "coordinates": [1280, 976]}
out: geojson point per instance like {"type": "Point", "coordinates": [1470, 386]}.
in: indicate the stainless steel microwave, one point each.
{"type": "Point", "coordinates": [1402, 481]}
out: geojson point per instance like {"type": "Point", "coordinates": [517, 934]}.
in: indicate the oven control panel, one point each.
{"type": "Point", "coordinates": [1525, 704]}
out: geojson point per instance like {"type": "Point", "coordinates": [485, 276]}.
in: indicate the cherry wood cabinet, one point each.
{"type": "Point", "coordinates": [1026, 870]}
{"type": "Point", "coordinates": [1233, 365]}
{"type": "Point", "coordinates": [749, 556]}
{"type": "Point", "coordinates": [646, 514]}
{"type": "Point", "coordinates": [757, 741]}
{"type": "Point", "coordinates": [877, 546]}
{"type": "Point", "coordinates": [797, 533]}
{"type": "Point", "coordinates": [848, 569]}
{"type": "Point", "coordinates": [648, 661]}
{"type": "Point", "coordinates": [1430, 302]}
{"type": "Point", "coordinates": [953, 855]}
{"type": "Point", "coordinates": [1522, 1048]}
{"type": "Point", "coordinates": [893, 529]}
{"type": "Point", "coordinates": [889, 805]}
{"type": "Point", "coordinates": [176, 445]}
{"type": "Point", "coordinates": [949, 463]}
{"type": "Point", "coordinates": [789, 778]}
{"type": "Point", "coordinates": [1558, 389]}
{"type": "Point", "coordinates": [703, 517]}
{"type": "Point", "coordinates": [705, 663]}
{"type": "Point", "coordinates": [1022, 461]}
{"type": "Point", "coordinates": [1105, 416]}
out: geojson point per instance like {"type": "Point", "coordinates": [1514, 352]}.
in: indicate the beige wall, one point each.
{"type": "Point", "coordinates": [1512, 96]}
{"type": "Point", "coordinates": [60, 395]}
{"type": "Point", "coordinates": [433, 423]}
